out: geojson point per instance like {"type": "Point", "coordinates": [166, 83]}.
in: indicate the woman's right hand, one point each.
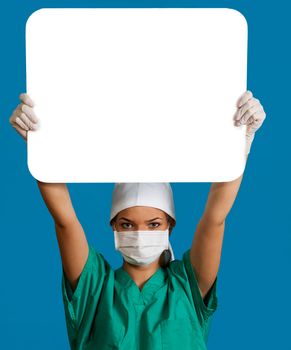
{"type": "Point", "coordinates": [23, 117]}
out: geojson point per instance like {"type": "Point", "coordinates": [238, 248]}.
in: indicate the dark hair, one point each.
{"type": "Point", "coordinates": [165, 258]}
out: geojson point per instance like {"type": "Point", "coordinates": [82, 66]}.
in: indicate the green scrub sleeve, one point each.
{"type": "Point", "coordinates": [204, 307]}
{"type": "Point", "coordinates": [80, 305]}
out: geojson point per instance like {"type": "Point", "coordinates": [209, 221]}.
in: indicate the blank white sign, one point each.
{"type": "Point", "coordinates": [136, 94]}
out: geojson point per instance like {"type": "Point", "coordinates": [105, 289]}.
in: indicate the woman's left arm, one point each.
{"type": "Point", "coordinates": [206, 247]}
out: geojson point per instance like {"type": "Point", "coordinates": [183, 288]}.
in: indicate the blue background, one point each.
{"type": "Point", "coordinates": [254, 276]}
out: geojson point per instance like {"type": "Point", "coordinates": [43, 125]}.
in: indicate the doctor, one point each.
{"type": "Point", "coordinates": [153, 301]}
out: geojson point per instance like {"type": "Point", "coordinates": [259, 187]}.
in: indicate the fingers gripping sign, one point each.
{"type": "Point", "coordinates": [23, 117]}
{"type": "Point", "coordinates": [250, 113]}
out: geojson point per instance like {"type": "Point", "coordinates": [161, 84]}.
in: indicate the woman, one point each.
{"type": "Point", "coordinates": [152, 301]}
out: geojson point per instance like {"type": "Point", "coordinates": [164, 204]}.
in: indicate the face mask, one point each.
{"type": "Point", "coordinates": [142, 247]}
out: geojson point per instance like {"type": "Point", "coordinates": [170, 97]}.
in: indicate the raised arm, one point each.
{"type": "Point", "coordinates": [206, 246]}
{"type": "Point", "coordinates": [71, 238]}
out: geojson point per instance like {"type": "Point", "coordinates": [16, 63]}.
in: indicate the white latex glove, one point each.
{"type": "Point", "coordinates": [23, 117]}
{"type": "Point", "coordinates": [251, 113]}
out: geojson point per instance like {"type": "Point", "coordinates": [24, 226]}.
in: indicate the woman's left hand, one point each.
{"type": "Point", "coordinates": [251, 113]}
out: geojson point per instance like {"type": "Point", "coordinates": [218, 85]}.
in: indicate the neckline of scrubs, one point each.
{"type": "Point", "coordinates": [151, 286]}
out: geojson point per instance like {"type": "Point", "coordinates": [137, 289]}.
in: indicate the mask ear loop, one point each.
{"type": "Point", "coordinates": [172, 253]}
{"type": "Point", "coordinates": [170, 247]}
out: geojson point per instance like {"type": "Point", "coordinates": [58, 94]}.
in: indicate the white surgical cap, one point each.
{"type": "Point", "coordinates": [158, 195]}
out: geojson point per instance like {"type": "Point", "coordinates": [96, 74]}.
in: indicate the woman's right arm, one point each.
{"type": "Point", "coordinates": [71, 238]}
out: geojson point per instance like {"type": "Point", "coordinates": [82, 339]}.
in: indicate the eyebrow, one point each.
{"type": "Point", "coordinates": [146, 220]}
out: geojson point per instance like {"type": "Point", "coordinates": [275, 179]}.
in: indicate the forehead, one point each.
{"type": "Point", "coordinates": [141, 212]}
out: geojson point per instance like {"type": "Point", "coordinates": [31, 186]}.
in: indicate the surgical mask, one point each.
{"type": "Point", "coordinates": [142, 247]}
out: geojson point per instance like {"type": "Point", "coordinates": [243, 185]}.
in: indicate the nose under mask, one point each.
{"type": "Point", "coordinates": [142, 247]}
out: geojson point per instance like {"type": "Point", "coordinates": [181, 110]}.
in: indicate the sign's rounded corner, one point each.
{"type": "Point", "coordinates": [34, 14]}
{"type": "Point", "coordinates": [238, 14]}
{"type": "Point", "coordinates": [32, 171]}
{"type": "Point", "coordinates": [238, 174]}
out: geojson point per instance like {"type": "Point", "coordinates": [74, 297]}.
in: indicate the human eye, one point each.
{"type": "Point", "coordinates": [155, 223]}
{"type": "Point", "coordinates": [125, 223]}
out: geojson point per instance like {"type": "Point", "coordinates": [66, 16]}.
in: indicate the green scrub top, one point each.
{"type": "Point", "coordinates": [108, 311]}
